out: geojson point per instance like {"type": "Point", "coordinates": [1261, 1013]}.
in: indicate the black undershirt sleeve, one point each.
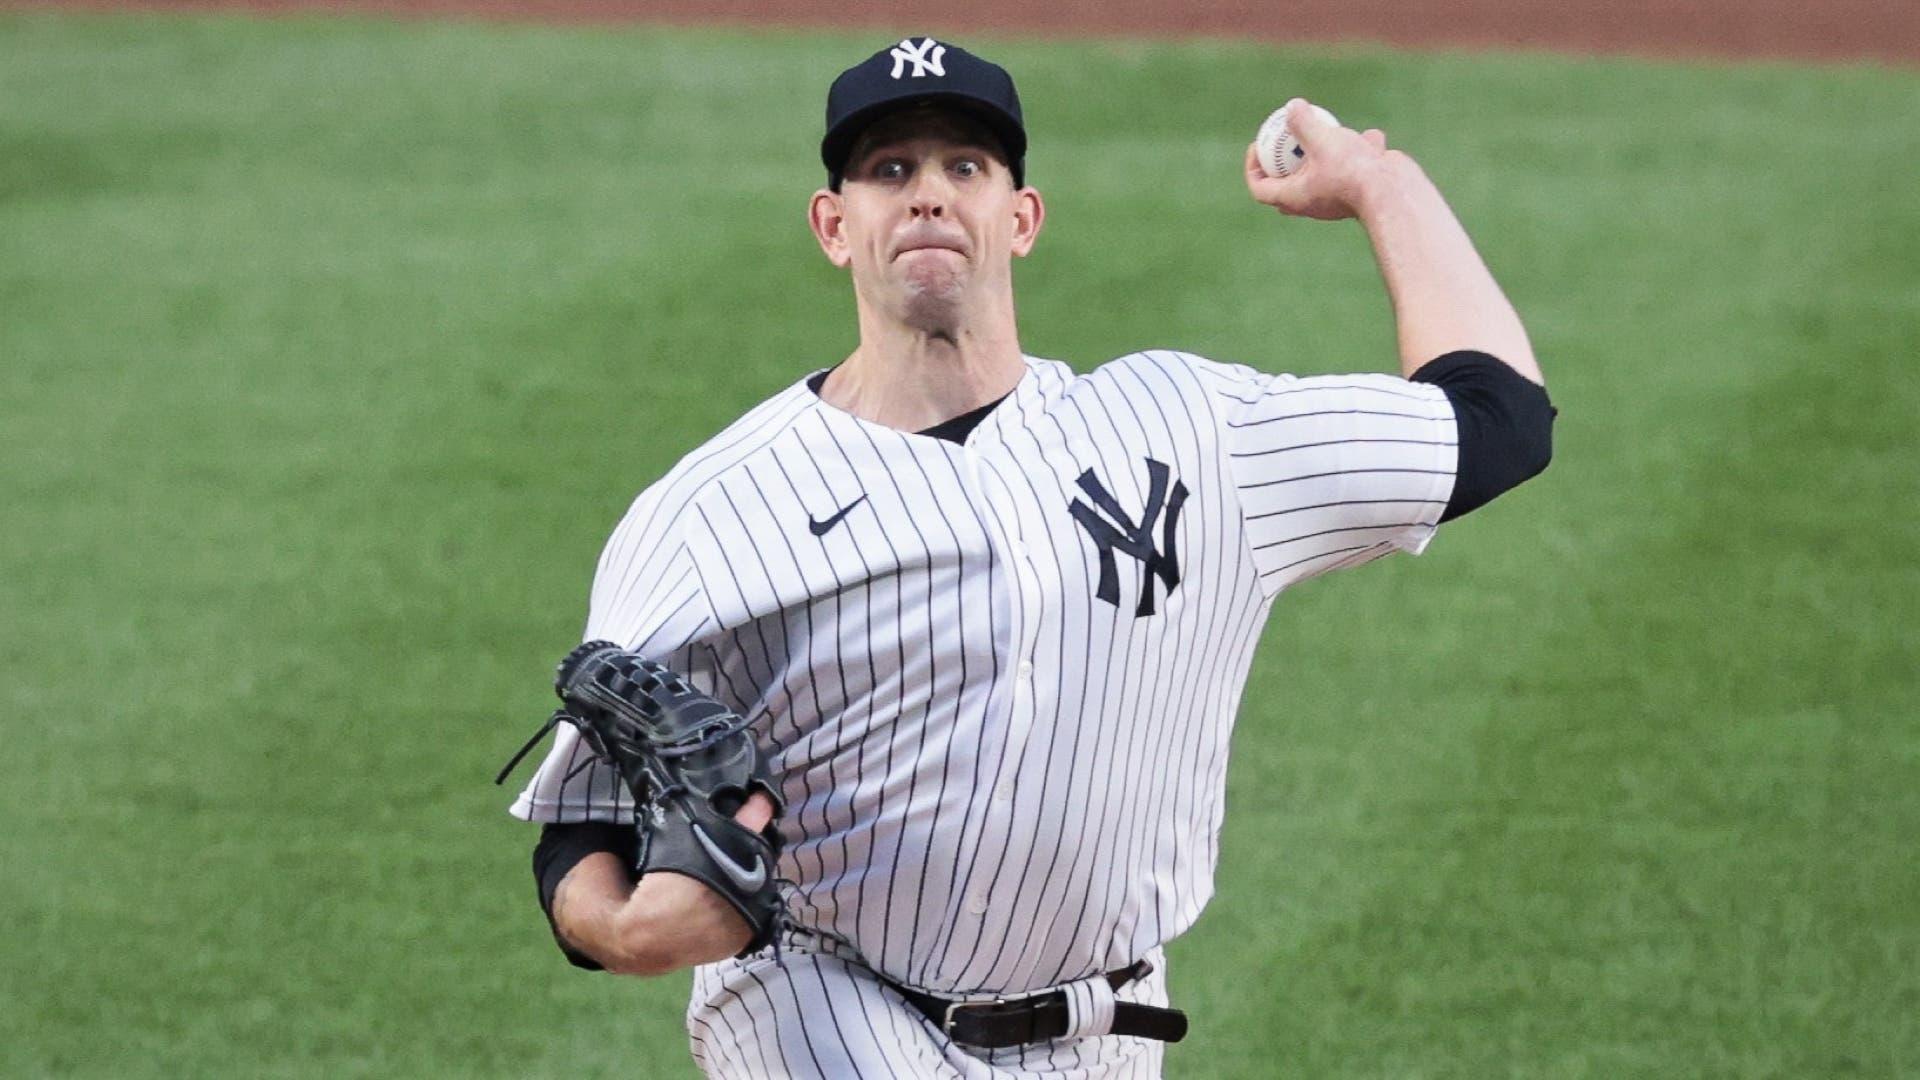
{"type": "Point", "coordinates": [1505, 421]}
{"type": "Point", "coordinates": [561, 848]}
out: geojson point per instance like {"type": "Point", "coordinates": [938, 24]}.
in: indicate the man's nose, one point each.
{"type": "Point", "coordinates": [930, 195]}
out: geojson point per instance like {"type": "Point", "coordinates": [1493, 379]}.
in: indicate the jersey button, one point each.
{"type": "Point", "coordinates": [1020, 550]}
{"type": "Point", "coordinates": [977, 904]}
{"type": "Point", "coordinates": [1004, 793]}
{"type": "Point", "coordinates": [1026, 669]}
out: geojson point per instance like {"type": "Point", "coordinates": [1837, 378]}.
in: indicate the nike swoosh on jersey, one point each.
{"type": "Point", "coordinates": [820, 528]}
{"type": "Point", "coordinates": [750, 880]}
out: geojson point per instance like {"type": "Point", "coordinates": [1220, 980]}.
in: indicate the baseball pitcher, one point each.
{"type": "Point", "coordinates": [904, 707]}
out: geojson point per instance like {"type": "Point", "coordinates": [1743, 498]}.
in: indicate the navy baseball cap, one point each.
{"type": "Point", "coordinates": [922, 71]}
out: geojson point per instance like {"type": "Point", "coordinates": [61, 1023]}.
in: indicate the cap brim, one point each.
{"type": "Point", "coordinates": [838, 143]}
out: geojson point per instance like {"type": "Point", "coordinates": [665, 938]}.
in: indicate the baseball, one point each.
{"type": "Point", "coordinates": [1280, 153]}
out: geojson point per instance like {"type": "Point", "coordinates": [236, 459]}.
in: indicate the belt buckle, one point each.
{"type": "Point", "coordinates": [946, 1021]}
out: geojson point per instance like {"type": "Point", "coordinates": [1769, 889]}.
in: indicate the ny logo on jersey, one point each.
{"type": "Point", "coordinates": [928, 56]}
{"type": "Point", "coordinates": [1116, 531]}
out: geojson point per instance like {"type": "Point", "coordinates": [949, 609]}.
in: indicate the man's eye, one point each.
{"type": "Point", "coordinates": [890, 170]}
{"type": "Point", "coordinates": [967, 167]}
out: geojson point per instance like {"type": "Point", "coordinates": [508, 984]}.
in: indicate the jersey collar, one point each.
{"type": "Point", "coordinates": [1010, 411]}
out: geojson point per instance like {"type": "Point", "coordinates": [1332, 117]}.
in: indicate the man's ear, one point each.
{"type": "Point", "coordinates": [1029, 212]}
{"type": "Point", "coordinates": [827, 216]}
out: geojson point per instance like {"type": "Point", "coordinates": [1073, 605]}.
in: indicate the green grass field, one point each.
{"type": "Point", "coordinates": [331, 350]}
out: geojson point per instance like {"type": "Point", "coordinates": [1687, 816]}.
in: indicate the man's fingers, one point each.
{"type": "Point", "coordinates": [1307, 124]}
{"type": "Point", "coordinates": [756, 813]}
{"type": "Point", "coordinates": [1259, 184]}
{"type": "Point", "coordinates": [1375, 138]}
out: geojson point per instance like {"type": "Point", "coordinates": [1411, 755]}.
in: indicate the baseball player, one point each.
{"type": "Point", "coordinates": [921, 674]}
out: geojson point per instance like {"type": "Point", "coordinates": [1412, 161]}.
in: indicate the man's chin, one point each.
{"type": "Point", "coordinates": [938, 316]}
{"type": "Point", "coordinates": [933, 292]}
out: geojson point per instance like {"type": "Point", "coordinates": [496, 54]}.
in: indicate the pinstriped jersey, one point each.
{"type": "Point", "coordinates": [995, 679]}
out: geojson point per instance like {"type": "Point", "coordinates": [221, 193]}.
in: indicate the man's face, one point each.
{"type": "Point", "coordinates": [927, 217]}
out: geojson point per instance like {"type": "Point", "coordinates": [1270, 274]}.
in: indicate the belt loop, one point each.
{"type": "Point", "coordinates": [1090, 1007]}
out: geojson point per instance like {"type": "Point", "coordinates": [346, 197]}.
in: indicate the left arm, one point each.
{"type": "Point", "coordinates": [1444, 297]}
{"type": "Point", "coordinates": [1457, 331]}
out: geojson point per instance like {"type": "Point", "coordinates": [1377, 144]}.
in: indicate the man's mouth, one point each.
{"type": "Point", "coordinates": [931, 244]}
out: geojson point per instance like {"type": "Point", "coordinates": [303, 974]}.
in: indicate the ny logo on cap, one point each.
{"type": "Point", "coordinates": [925, 57]}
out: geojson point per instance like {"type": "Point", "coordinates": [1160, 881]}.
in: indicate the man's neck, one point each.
{"type": "Point", "coordinates": [910, 379]}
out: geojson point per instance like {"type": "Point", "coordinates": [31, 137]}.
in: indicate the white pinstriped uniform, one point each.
{"type": "Point", "coordinates": [999, 780]}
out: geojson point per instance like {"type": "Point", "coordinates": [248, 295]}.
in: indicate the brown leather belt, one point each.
{"type": "Point", "coordinates": [1001, 1023]}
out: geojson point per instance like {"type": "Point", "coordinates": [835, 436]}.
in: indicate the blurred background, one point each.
{"type": "Point", "coordinates": [333, 344]}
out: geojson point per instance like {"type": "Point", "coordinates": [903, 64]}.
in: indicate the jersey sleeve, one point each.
{"type": "Point", "coordinates": [1333, 470]}
{"type": "Point", "coordinates": [647, 596]}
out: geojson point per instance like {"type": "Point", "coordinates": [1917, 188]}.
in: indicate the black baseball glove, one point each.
{"type": "Point", "coordinates": [691, 764]}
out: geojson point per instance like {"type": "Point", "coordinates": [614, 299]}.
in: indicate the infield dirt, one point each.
{"type": "Point", "coordinates": [1887, 31]}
